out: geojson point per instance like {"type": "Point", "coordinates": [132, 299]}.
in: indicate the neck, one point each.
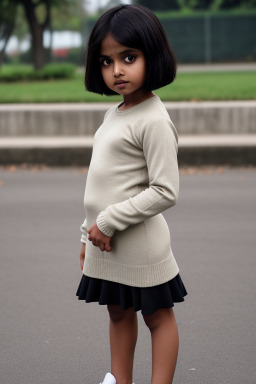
{"type": "Point", "coordinates": [132, 100]}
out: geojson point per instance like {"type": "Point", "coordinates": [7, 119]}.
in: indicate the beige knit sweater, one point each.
{"type": "Point", "coordinates": [132, 178]}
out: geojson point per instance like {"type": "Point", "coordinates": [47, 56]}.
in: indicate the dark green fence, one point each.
{"type": "Point", "coordinates": [210, 38]}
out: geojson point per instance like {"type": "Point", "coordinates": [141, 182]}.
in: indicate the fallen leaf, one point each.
{"type": "Point", "coordinates": [81, 170]}
{"type": "Point", "coordinates": [12, 168]}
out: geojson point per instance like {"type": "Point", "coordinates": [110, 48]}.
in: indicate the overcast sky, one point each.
{"type": "Point", "coordinates": [93, 5]}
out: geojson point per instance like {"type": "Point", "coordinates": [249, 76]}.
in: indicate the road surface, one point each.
{"type": "Point", "coordinates": [47, 336]}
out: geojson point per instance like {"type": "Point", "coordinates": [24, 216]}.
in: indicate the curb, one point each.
{"type": "Point", "coordinates": [65, 151]}
{"type": "Point", "coordinates": [190, 118]}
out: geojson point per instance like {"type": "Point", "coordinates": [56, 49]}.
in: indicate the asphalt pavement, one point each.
{"type": "Point", "coordinates": [48, 336]}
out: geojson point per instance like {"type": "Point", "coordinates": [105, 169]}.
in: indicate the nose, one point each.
{"type": "Point", "coordinates": [117, 69]}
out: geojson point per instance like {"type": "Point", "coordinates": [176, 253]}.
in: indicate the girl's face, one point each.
{"type": "Point", "coordinates": [123, 69]}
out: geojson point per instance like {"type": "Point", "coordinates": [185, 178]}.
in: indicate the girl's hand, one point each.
{"type": "Point", "coordinates": [82, 255]}
{"type": "Point", "coordinates": [99, 239]}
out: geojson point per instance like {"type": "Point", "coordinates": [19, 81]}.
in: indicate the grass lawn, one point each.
{"type": "Point", "coordinates": [187, 87]}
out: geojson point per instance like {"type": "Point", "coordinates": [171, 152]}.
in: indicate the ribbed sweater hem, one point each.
{"type": "Point", "coordinates": [150, 275]}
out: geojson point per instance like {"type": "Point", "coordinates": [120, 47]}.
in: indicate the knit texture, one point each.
{"type": "Point", "coordinates": [132, 178]}
{"type": "Point", "coordinates": [83, 230]}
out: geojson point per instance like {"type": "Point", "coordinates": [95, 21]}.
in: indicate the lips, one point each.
{"type": "Point", "coordinates": [121, 84]}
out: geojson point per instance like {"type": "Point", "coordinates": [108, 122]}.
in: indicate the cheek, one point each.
{"type": "Point", "coordinates": [105, 76]}
{"type": "Point", "coordinates": [141, 70]}
{"type": "Point", "coordinates": [142, 73]}
{"type": "Point", "coordinates": [103, 72]}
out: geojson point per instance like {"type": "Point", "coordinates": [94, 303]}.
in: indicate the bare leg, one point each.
{"type": "Point", "coordinates": [123, 332]}
{"type": "Point", "coordinates": [165, 345]}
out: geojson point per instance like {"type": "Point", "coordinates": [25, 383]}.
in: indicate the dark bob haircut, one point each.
{"type": "Point", "coordinates": [134, 26]}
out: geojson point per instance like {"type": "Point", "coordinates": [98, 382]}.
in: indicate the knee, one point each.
{"type": "Point", "coordinates": [151, 321]}
{"type": "Point", "coordinates": [117, 314]}
{"type": "Point", "coordinates": [157, 318]}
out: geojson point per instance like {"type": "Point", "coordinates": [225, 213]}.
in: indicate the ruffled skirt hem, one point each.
{"type": "Point", "coordinates": [148, 299]}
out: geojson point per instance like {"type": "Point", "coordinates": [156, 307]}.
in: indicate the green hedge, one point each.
{"type": "Point", "coordinates": [10, 73]}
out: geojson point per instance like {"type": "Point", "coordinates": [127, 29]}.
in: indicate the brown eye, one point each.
{"type": "Point", "coordinates": [129, 59]}
{"type": "Point", "coordinates": [106, 62]}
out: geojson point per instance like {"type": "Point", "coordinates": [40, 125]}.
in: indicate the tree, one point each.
{"type": "Point", "coordinates": [8, 11]}
{"type": "Point", "coordinates": [38, 16]}
{"type": "Point", "coordinates": [37, 27]}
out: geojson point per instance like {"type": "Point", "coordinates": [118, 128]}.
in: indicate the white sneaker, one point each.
{"type": "Point", "coordinates": [109, 379]}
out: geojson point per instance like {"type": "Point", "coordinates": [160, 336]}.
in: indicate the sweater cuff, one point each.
{"type": "Point", "coordinates": [101, 224]}
{"type": "Point", "coordinates": [83, 239]}
{"type": "Point", "coordinates": [83, 229]}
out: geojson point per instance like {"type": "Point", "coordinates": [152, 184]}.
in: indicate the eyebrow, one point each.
{"type": "Point", "coordinates": [125, 52]}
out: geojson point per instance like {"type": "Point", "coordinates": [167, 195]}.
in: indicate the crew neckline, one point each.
{"type": "Point", "coordinates": [135, 107]}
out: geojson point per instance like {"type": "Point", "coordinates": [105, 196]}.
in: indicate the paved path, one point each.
{"type": "Point", "coordinates": [47, 336]}
{"type": "Point", "coordinates": [227, 67]}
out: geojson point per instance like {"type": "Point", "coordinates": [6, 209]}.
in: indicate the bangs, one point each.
{"type": "Point", "coordinates": [130, 33]}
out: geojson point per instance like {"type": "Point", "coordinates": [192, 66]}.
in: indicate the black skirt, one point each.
{"type": "Point", "coordinates": [148, 299]}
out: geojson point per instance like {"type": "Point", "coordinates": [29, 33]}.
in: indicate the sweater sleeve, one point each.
{"type": "Point", "coordinates": [83, 230]}
{"type": "Point", "coordinates": [159, 143]}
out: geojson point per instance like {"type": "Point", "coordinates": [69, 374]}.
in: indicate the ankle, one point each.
{"type": "Point", "coordinates": [123, 379]}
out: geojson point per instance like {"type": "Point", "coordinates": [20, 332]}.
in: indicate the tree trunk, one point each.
{"type": "Point", "coordinates": [6, 36]}
{"type": "Point", "coordinates": [8, 13]}
{"type": "Point", "coordinates": [37, 47]}
{"type": "Point", "coordinates": [37, 34]}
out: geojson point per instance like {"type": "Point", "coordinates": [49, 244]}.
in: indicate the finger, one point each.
{"type": "Point", "coordinates": [102, 246]}
{"type": "Point", "coordinates": [95, 243]}
{"type": "Point", "coordinates": [108, 247]}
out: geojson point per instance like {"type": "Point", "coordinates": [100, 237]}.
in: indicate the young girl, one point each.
{"type": "Point", "coordinates": [126, 255]}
